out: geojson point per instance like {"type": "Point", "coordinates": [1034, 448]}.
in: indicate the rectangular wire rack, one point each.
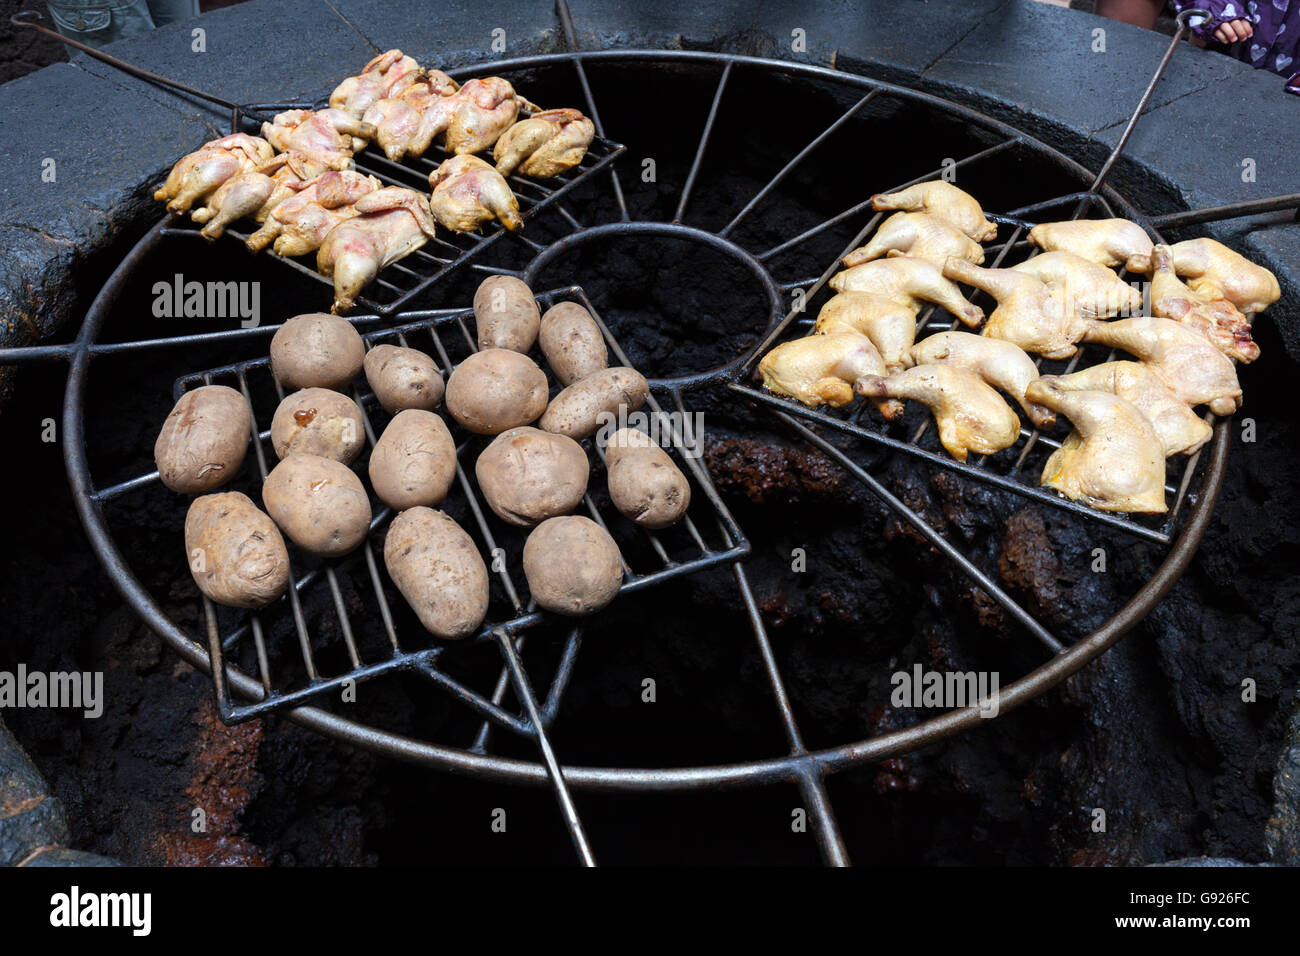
{"type": "Point", "coordinates": [400, 283]}
{"type": "Point", "coordinates": [323, 613]}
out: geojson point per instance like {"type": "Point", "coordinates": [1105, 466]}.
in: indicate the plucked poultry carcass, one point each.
{"type": "Point", "coordinates": [823, 370]}
{"type": "Point", "coordinates": [971, 416]}
{"type": "Point", "coordinates": [545, 144]}
{"type": "Point", "coordinates": [1113, 459]}
{"type": "Point", "coordinates": [1028, 313]}
{"type": "Point", "coordinates": [907, 280]}
{"type": "Point", "coordinates": [482, 111]}
{"type": "Point", "coordinates": [253, 194]}
{"type": "Point", "coordinates": [1090, 289]}
{"type": "Point", "coordinates": [1180, 430]}
{"type": "Point", "coordinates": [299, 224]}
{"type": "Point", "coordinates": [890, 326]}
{"type": "Point", "coordinates": [1217, 319]}
{"type": "Point", "coordinates": [468, 192]}
{"type": "Point", "coordinates": [1214, 271]}
{"type": "Point", "coordinates": [1185, 360]}
{"type": "Point", "coordinates": [942, 199]}
{"type": "Point", "coordinates": [1107, 242]}
{"type": "Point", "coordinates": [407, 124]}
{"type": "Point", "coordinates": [390, 223]}
{"type": "Point", "coordinates": [388, 74]}
{"type": "Point", "coordinates": [999, 363]}
{"type": "Point", "coordinates": [919, 235]}
{"type": "Point", "coordinates": [200, 173]}
{"type": "Point", "coordinates": [328, 136]}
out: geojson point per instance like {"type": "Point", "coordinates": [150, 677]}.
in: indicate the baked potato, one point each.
{"type": "Point", "coordinates": [203, 440]}
{"type": "Point", "coordinates": [572, 565]}
{"type": "Point", "coordinates": [403, 378]}
{"type": "Point", "coordinates": [506, 314]}
{"type": "Point", "coordinates": [318, 421]}
{"type": "Point", "coordinates": [414, 461]}
{"type": "Point", "coordinates": [316, 349]}
{"type": "Point", "coordinates": [528, 475]}
{"type": "Point", "coordinates": [645, 483]}
{"type": "Point", "coordinates": [235, 551]}
{"type": "Point", "coordinates": [319, 503]}
{"type": "Point", "coordinates": [496, 389]}
{"type": "Point", "coordinates": [439, 571]}
{"type": "Point", "coordinates": [572, 343]}
{"type": "Point", "coordinates": [581, 408]}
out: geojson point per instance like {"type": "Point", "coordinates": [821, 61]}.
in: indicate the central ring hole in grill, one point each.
{"type": "Point", "coordinates": [680, 301]}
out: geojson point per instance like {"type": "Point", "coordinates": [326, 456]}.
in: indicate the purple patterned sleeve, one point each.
{"type": "Point", "coordinates": [1221, 12]}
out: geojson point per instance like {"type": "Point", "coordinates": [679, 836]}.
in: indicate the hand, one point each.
{"type": "Point", "coordinates": [1234, 30]}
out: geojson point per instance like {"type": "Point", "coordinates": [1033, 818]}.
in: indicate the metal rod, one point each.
{"type": "Point", "coordinates": [704, 144]}
{"type": "Point", "coordinates": [525, 694]}
{"type": "Point", "coordinates": [1232, 210]}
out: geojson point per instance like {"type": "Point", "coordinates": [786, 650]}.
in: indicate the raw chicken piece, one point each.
{"type": "Point", "coordinates": [1216, 272]}
{"type": "Point", "coordinates": [255, 193]}
{"type": "Point", "coordinates": [203, 171]}
{"type": "Point", "coordinates": [407, 124]}
{"type": "Point", "coordinates": [391, 223]}
{"type": "Point", "coordinates": [1217, 319]}
{"type": "Point", "coordinates": [822, 370]}
{"type": "Point", "coordinates": [999, 363]}
{"type": "Point", "coordinates": [1028, 314]}
{"type": "Point", "coordinates": [1180, 430]}
{"type": "Point", "coordinates": [545, 144]}
{"type": "Point", "coordinates": [890, 326]}
{"type": "Point", "coordinates": [384, 76]}
{"type": "Point", "coordinates": [468, 192]}
{"type": "Point", "coordinates": [484, 109]}
{"type": "Point", "coordinates": [300, 223]}
{"type": "Point", "coordinates": [919, 235]}
{"type": "Point", "coordinates": [970, 414]}
{"type": "Point", "coordinates": [328, 136]}
{"type": "Point", "coordinates": [1189, 364]}
{"type": "Point", "coordinates": [1113, 459]}
{"type": "Point", "coordinates": [942, 199]}
{"type": "Point", "coordinates": [905, 280]}
{"type": "Point", "coordinates": [1091, 290]}
{"type": "Point", "coordinates": [1107, 242]}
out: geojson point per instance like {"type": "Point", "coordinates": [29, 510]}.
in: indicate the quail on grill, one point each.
{"type": "Point", "coordinates": [890, 326]}
{"type": "Point", "coordinates": [299, 224]}
{"type": "Point", "coordinates": [1187, 361]}
{"type": "Point", "coordinates": [920, 235]}
{"type": "Point", "coordinates": [408, 123]}
{"type": "Point", "coordinates": [1107, 242]}
{"type": "Point", "coordinates": [971, 416]}
{"type": "Point", "coordinates": [545, 144]}
{"type": "Point", "coordinates": [1180, 430]}
{"type": "Point", "coordinates": [1215, 318]}
{"type": "Point", "coordinates": [482, 110]}
{"type": "Point", "coordinates": [942, 199]}
{"type": "Point", "coordinates": [1216, 272]}
{"type": "Point", "coordinates": [1091, 290]}
{"type": "Point", "coordinates": [999, 363]}
{"type": "Point", "coordinates": [1028, 313]}
{"type": "Point", "coordinates": [907, 280]}
{"type": "Point", "coordinates": [389, 223]}
{"type": "Point", "coordinates": [328, 136]}
{"type": "Point", "coordinates": [253, 194]}
{"type": "Point", "coordinates": [387, 74]}
{"type": "Point", "coordinates": [467, 192]}
{"type": "Point", "coordinates": [1113, 459]}
{"type": "Point", "coordinates": [200, 173]}
{"type": "Point", "coordinates": [822, 370]}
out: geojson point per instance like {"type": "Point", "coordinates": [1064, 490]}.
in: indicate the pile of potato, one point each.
{"type": "Point", "coordinates": [533, 474]}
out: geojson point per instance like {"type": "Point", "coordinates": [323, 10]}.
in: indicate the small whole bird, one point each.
{"type": "Point", "coordinates": [468, 192]}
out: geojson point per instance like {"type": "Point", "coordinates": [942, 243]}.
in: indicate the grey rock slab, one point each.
{"type": "Point", "coordinates": [1283, 831]}
{"type": "Point", "coordinates": [29, 817]}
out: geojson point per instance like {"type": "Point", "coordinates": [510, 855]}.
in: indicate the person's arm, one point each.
{"type": "Point", "coordinates": [1228, 23]}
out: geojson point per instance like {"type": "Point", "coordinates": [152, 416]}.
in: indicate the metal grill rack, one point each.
{"type": "Point", "coordinates": [445, 334]}
{"type": "Point", "coordinates": [1196, 488]}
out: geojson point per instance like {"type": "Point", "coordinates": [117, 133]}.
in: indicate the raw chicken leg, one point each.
{"type": "Point", "coordinates": [1189, 364]}
{"type": "Point", "coordinates": [1180, 430]}
{"type": "Point", "coordinates": [822, 370]}
{"type": "Point", "coordinates": [1107, 242]}
{"type": "Point", "coordinates": [390, 223]}
{"type": "Point", "coordinates": [942, 199]}
{"type": "Point", "coordinates": [200, 173]}
{"type": "Point", "coordinates": [890, 326]}
{"type": "Point", "coordinates": [1217, 319]}
{"type": "Point", "coordinates": [920, 235]}
{"type": "Point", "coordinates": [970, 414]}
{"type": "Point", "coordinates": [1028, 314]}
{"type": "Point", "coordinates": [905, 280]}
{"type": "Point", "coordinates": [545, 144]}
{"type": "Point", "coordinates": [1091, 290]}
{"type": "Point", "coordinates": [999, 363]}
{"type": "Point", "coordinates": [1113, 459]}
{"type": "Point", "coordinates": [468, 192]}
{"type": "Point", "coordinates": [1216, 272]}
